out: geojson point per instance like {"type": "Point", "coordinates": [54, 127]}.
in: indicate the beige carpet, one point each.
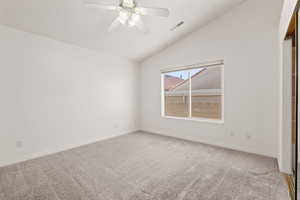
{"type": "Point", "coordinates": [143, 166]}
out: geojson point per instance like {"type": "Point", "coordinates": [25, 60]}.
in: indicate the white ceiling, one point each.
{"type": "Point", "coordinates": [70, 21]}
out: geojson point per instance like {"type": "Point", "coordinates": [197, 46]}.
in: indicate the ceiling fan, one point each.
{"type": "Point", "coordinates": [129, 13]}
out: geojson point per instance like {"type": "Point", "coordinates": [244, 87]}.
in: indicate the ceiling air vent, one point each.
{"type": "Point", "coordinates": [177, 26]}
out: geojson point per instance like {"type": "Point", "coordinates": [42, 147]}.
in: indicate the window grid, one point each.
{"type": "Point", "coordinates": [215, 106]}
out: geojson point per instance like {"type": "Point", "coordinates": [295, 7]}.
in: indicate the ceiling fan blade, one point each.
{"type": "Point", "coordinates": [128, 1]}
{"type": "Point", "coordinates": [163, 12]}
{"type": "Point", "coordinates": [141, 26]}
{"type": "Point", "coordinates": [114, 25]}
{"type": "Point", "coordinates": [102, 6]}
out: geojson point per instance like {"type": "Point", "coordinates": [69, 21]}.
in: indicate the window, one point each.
{"type": "Point", "coordinates": [194, 92]}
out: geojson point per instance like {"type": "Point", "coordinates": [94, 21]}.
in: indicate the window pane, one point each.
{"type": "Point", "coordinates": [176, 93]}
{"type": "Point", "coordinates": [206, 92]}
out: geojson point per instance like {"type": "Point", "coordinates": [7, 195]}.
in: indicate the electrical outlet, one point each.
{"type": "Point", "coordinates": [19, 144]}
{"type": "Point", "coordinates": [248, 136]}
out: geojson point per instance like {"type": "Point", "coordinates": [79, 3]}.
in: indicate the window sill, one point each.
{"type": "Point", "coordinates": [215, 121]}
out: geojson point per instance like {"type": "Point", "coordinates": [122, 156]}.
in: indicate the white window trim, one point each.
{"type": "Point", "coordinates": [190, 118]}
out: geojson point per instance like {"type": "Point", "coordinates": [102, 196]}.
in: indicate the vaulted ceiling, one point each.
{"type": "Point", "coordinates": [70, 21]}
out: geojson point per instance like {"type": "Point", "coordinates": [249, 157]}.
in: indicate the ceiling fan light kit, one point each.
{"type": "Point", "coordinates": [130, 14]}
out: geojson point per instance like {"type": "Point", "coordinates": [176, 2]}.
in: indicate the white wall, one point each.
{"type": "Point", "coordinates": [247, 39]}
{"type": "Point", "coordinates": [55, 96]}
{"type": "Point", "coordinates": [286, 112]}
{"type": "Point", "coordinates": [286, 15]}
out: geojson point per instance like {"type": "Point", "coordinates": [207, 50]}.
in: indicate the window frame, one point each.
{"type": "Point", "coordinates": [190, 67]}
